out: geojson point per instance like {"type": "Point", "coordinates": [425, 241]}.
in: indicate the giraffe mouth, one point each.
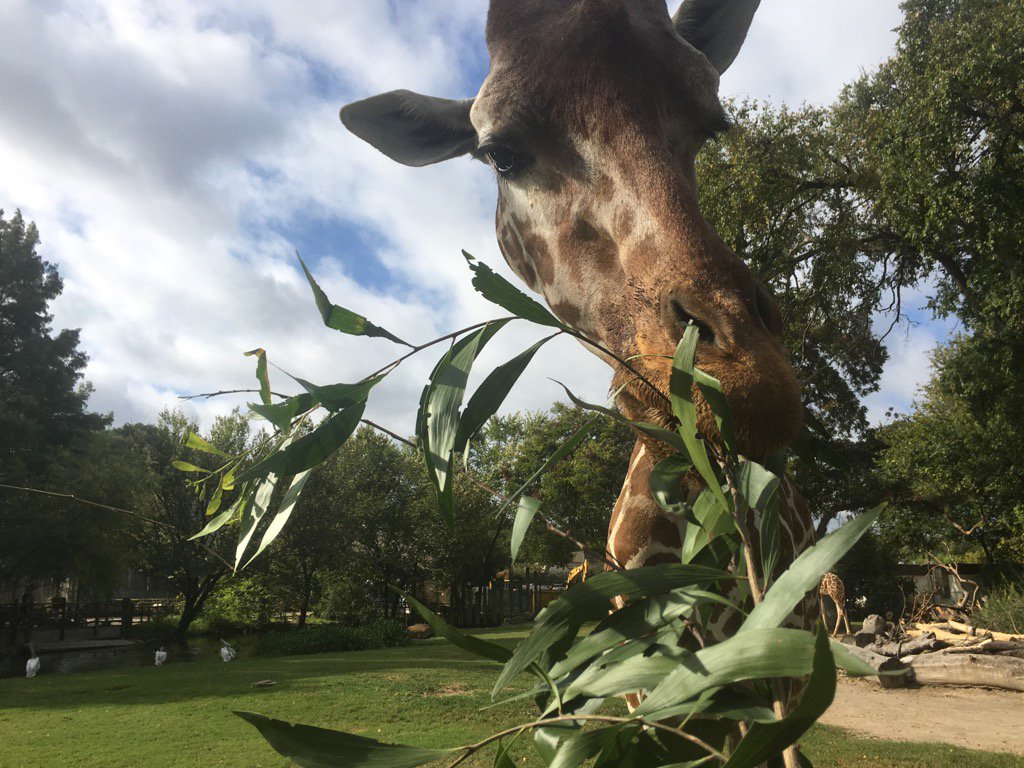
{"type": "Point", "coordinates": [760, 389]}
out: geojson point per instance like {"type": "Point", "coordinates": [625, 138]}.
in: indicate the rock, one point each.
{"type": "Point", "coordinates": [873, 624]}
{"type": "Point", "coordinates": [863, 639]}
{"type": "Point", "coordinates": [420, 631]}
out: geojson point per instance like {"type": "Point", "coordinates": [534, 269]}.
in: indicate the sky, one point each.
{"type": "Point", "coordinates": [175, 154]}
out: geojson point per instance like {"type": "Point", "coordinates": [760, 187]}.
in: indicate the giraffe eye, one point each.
{"type": "Point", "coordinates": [503, 159]}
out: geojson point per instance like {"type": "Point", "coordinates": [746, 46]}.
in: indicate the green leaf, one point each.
{"type": "Point", "coordinates": [474, 645]}
{"type": "Point", "coordinates": [805, 573]}
{"type": "Point", "coordinates": [345, 320]}
{"type": "Point", "coordinates": [281, 414]}
{"type": "Point", "coordinates": [589, 602]}
{"type": "Point", "coordinates": [667, 487]}
{"type": "Point", "coordinates": [312, 449]}
{"type": "Point", "coordinates": [636, 622]}
{"type": "Point", "coordinates": [500, 291]}
{"type": "Point", "coordinates": [337, 397]}
{"type": "Point", "coordinates": [528, 508]}
{"type": "Point", "coordinates": [198, 443]}
{"type": "Point", "coordinates": [284, 511]}
{"type": "Point", "coordinates": [770, 541]}
{"type": "Point", "coordinates": [750, 656]}
{"type": "Point", "coordinates": [438, 419]}
{"type": "Point", "coordinates": [756, 484]}
{"type": "Point", "coordinates": [666, 436]}
{"type": "Point", "coordinates": [765, 740]}
{"type": "Point", "coordinates": [313, 747]}
{"type": "Point", "coordinates": [713, 522]}
{"type": "Point", "coordinates": [576, 750]}
{"type": "Point", "coordinates": [681, 395]}
{"type": "Point", "coordinates": [491, 393]}
{"type": "Point", "coordinates": [224, 517]}
{"type": "Point", "coordinates": [253, 514]}
{"type": "Point", "coordinates": [184, 466]}
{"type": "Point", "coordinates": [261, 372]}
{"type": "Point", "coordinates": [759, 487]}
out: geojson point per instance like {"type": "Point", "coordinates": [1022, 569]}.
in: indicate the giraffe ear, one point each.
{"type": "Point", "coordinates": [716, 28]}
{"type": "Point", "coordinates": [413, 129]}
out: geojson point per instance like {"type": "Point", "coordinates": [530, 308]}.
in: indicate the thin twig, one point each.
{"type": "Point", "coordinates": [471, 749]}
{"type": "Point", "coordinates": [129, 512]}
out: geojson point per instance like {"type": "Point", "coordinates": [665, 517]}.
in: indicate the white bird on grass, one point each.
{"type": "Point", "coordinates": [227, 653]}
{"type": "Point", "coordinates": [160, 657]}
{"type": "Point", "coordinates": [32, 665]}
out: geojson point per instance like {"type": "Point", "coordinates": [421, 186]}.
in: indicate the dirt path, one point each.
{"type": "Point", "coordinates": [981, 718]}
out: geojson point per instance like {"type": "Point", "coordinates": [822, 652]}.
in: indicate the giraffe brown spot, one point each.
{"type": "Point", "coordinates": [567, 312]}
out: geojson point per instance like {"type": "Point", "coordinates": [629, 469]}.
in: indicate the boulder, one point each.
{"type": "Point", "coordinates": [873, 624]}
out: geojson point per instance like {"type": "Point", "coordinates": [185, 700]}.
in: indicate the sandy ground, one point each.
{"type": "Point", "coordinates": [980, 718]}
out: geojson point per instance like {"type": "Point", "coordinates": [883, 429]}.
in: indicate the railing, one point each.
{"type": "Point", "coordinates": [492, 605]}
{"type": "Point", "coordinates": [19, 621]}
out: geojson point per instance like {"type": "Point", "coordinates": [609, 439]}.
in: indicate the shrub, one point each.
{"type": "Point", "coordinates": [328, 638]}
{"type": "Point", "coordinates": [1002, 611]}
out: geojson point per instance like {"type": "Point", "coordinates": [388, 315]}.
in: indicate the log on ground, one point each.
{"type": "Point", "coordinates": [893, 673]}
{"type": "Point", "coordinates": [968, 669]}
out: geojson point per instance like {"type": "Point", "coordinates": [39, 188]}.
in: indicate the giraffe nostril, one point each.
{"type": "Point", "coordinates": [684, 318]}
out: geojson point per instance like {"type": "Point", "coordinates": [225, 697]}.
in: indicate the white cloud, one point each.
{"type": "Point", "coordinates": [161, 146]}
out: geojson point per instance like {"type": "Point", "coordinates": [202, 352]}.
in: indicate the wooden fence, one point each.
{"type": "Point", "coordinates": [492, 605]}
{"type": "Point", "coordinates": [59, 621]}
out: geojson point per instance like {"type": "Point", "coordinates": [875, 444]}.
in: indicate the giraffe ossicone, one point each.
{"type": "Point", "coordinates": [591, 116]}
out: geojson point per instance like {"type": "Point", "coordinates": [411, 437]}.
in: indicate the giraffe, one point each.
{"type": "Point", "coordinates": [833, 586]}
{"type": "Point", "coordinates": [591, 116]}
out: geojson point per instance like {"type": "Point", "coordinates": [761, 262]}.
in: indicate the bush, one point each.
{"type": "Point", "coordinates": [327, 638]}
{"type": "Point", "coordinates": [1002, 611]}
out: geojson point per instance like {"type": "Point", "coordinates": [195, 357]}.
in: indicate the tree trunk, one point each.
{"type": "Point", "coordinates": [195, 598]}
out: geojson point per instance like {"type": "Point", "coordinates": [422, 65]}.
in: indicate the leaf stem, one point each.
{"type": "Point", "coordinates": [471, 749]}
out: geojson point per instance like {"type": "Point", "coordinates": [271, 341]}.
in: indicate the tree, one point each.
{"type": "Point", "coordinates": [45, 538]}
{"type": "Point", "coordinates": [955, 467]}
{"type": "Point", "coordinates": [42, 396]}
{"type": "Point", "coordinates": [578, 493]}
{"type": "Point", "coordinates": [194, 567]}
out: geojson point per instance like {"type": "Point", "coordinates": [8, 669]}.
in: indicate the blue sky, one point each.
{"type": "Point", "coordinates": [176, 153]}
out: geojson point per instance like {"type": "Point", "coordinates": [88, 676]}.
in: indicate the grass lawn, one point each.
{"type": "Point", "coordinates": [428, 694]}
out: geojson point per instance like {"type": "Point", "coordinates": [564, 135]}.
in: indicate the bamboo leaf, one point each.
{"type": "Point", "coordinates": [345, 320]}
{"type": "Point", "coordinates": [666, 436]}
{"type": "Point", "coordinates": [282, 414]}
{"type": "Point", "coordinates": [500, 291]}
{"type": "Point", "coordinates": [752, 656]}
{"type": "Point", "coordinates": [528, 508]}
{"type": "Point", "coordinates": [313, 747]}
{"type": "Point", "coordinates": [261, 372]}
{"type": "Point", "coordinates": [681, 395]}
{"type": "Point", "coordinates": [805, 573]}
{"type": "Point", "coordinates": [196, 442]}
{"type": "Point", "coordinates": [474, 645]}
{"type": "Point", "coordinates": [438, 417]}
{"type": "Point", "coordinates": [589, 602]}
{"type": "Point", "coordinates": [491, 393]}
{"type": "Point", "coordinates": [309, 450]}
{"type": "Point", "coordinates": [184, 466]}
{"type": "Point", "coordinates": [284, 511]}
{"type": "Point", "coordinates": [766, 740]}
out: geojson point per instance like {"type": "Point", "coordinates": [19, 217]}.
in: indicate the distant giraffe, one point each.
{"type": "Point", "coordinates": [833, 586]}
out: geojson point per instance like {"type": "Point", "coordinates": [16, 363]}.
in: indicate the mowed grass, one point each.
{"type": "Point", "coordinates": [429, 694]}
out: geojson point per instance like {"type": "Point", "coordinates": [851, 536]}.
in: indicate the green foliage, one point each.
{"type": "Point", "coordinates": [1002, 610]}
{"type": "Point", "coordinates": [326, 638]}
{"type": "Point", "coordinates": [941, 495]}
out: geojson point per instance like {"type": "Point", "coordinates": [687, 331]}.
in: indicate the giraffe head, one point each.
{"type": "Point", "coordinates": [591, 116]}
